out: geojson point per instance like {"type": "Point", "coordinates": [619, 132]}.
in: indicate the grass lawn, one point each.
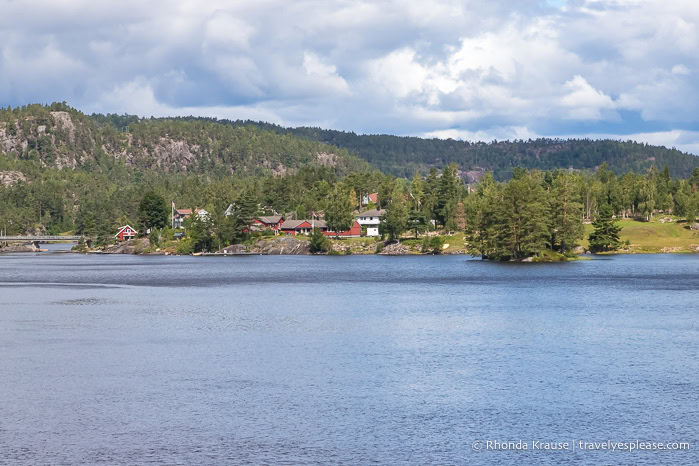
{"type": "Point", "coordinates": [654, 236]}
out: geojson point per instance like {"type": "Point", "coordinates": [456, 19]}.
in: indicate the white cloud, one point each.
{"type": "Point", "coordinates": [477, 68]}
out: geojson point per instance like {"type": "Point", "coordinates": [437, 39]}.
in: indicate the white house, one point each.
{"type": "Point", "coordinates": [371, 220]}
{"type": "Point", "coordinates": [179, 216]}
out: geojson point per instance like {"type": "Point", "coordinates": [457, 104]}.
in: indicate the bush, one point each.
{"type": "Point", "coordinates": [185, 246]}
{"type": "Point", "coordinates": [319, 242]}
{"type": "Point", "coordinates": [379, 247]}
{"type": "Point", "coordinates": [432, 245]}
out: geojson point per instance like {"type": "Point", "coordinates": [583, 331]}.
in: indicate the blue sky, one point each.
{"type": "Point", "coordinates": [475, 69]}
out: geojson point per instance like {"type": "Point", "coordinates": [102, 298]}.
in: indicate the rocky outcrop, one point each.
{"type": "Point", "coordinates": [234, 249]}
{"type": "Point", "coordinates": [282, 245]}
{"type": "Point", "coordinates": [134, 246]}
{"type": "Point", "coordinates": [10, 178]}
{"type": "Point", "coordinates": [395, 249]}
{"type": "Point", "coordinates": [17, 247]}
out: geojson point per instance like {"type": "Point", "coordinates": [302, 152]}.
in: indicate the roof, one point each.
{"type": "Point", "coordinates": [373, 197]}
{"type": "Point", "coordinates": [372, 213]}
{"type": "Point", "coordinates": [124, 228]}
{"type": "Point", "coordinates": [272, 219]}
{"type": "Point", "coordinates": [189, 211]}
{"type": "Point", "coordinates": [294, 224]}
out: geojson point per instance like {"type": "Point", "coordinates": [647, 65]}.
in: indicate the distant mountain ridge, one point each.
{"type": "Point", "coordinates": [403, 155]}
{"type": "Point", "coordinates": [60, 136]}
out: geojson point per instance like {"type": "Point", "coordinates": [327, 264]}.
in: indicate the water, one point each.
{"type": "Point", "coordinates": [344, 360]}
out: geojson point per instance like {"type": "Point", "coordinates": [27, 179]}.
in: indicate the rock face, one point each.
{"type": "Point", "coordinates": [234, 249]}
{"type": "Point", "coordinates": [10, 178]}
{"type": "Point", "coordinates": [395, 249]}
{"type": "Point", "coordinates": [16, 247]}
{"type": "Point", "coordinates": [283, 245]}
{"type": "Point", "coordinates": [134, 246]}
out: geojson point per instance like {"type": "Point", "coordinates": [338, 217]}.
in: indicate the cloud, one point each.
{"type": "Point", "coordinates": [478, 69]}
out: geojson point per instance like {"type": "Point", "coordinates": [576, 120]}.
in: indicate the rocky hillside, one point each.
{"type": "Point", "coordinates": [62, 137]}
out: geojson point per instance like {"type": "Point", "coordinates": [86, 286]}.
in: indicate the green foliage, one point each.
{"type": "Point", "coordinates": [319, 243]}
{"type": "Point", "coordinates": [339, 214]}
{"type": "Point", "coordinates": [432, 245]}
{"type": "Point", "coordinates": [521, 218]}
{"type": "Point", "coordinates": [605, 236]}
{"type": "Point", "coordinates": [153, 211]}
{"type": "Point", "coordinates": [395, 221]}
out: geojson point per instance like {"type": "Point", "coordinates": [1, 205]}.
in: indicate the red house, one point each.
{"type": "Point", "coordinates": [125, 233]}
{"type": "Point", "coordinates": [354, 232]}
{"type": "Point", "coordinates": [273, 222]}
{"type": "Point", "coordinates": [301, 227]}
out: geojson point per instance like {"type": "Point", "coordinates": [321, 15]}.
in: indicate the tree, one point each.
{"type": "Point", "coordinates": [152, 211]}
{"type": "Point", "coordinates": [605, 236]}
{"type": "Point", "coordinates": [566, 224]}
{"type": "Point", "coordinates": [447, 194]}
{"type": "Point", "coordinates": [521, 228]}
{"type": "Point", "coordinates": [417, 221]}
{"type": "Point", "coordinates": [319, 242]}
{"type": "Point", "coordinates": [339, 215]}
{"type": "Point", "coordinates": [395, 221]}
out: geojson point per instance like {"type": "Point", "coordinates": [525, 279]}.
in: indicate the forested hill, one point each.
{"type": "Point", "coordinates": [402, 156]}
{"type": "Point", "coordinates": [60, 136]}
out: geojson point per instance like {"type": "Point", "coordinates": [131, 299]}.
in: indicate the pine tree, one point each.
{"type": "Point", "coordinates": [319, 242]}
{"type": "Point", "coordinates": [605, 236]}
{"type": "Point", "coordinates": [395, 221]}
{"type": "Point", "coordinates": [417, 221]}
{"type": "Point", "coordinates": [566, 225]}
{"type": "Point", "coordinates": [339, 215]}
{"type": "Point", "coordinates": [153, 212]}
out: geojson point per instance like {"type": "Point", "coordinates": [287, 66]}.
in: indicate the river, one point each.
{"type": "Point", "coordinates": [346, 360]}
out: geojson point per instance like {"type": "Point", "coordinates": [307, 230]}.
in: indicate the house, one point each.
{"type": "Point", "coordinates": [179, 216]}
{"type": "Point", "coordinates": [301, 227]}
{"type": "Point", "coordinates": [125, 233]}
{"type": "Point", "coordinates": [371, 219]}
{"type": "Point", "coordinates": [354, 232]}
{"type": "Point", "coordinates": [373, 197]}
{"type": "Point", "coordinates": [272, 222]}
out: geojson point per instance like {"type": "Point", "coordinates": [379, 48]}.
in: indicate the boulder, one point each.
{"type": "Point", "coordinates": [282, 245]}
{"type": "Point", "coordinates": [395, 249]}
{"type": "Point", "coordinates": [234, 249]}
{"type": "Point", "coordinates": [133, 246]}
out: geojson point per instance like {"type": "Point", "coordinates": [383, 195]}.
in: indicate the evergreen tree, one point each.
{"type": "Point", "coordinates": [153, 211]}
{"type": "Point", "coordinates": [566, 225]}
{"type": "Point", "coordinates": [522, 229]}
{"type": "Point", "coordinates": [339, 214]}
{"type": "Point", "coordinates": [319, 242]}
{"type": "Point", "coordinates": [395, 221]}
{"type": "Point", "coordinates": [605, 236]}
{"type": "Point", "coordinates": [417, 221]}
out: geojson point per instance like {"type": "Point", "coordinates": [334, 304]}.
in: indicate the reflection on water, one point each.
{"type": "Point", "coordinates": [124, 359]}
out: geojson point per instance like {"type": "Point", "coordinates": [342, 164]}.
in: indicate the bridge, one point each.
{"type": "Point", "coordinates": [39, 238]}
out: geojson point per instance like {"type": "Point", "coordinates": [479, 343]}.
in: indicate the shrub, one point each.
{"type": "Point", "coordinates": [319, 242]}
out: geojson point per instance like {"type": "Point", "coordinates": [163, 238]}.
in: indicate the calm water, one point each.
{"type": "Point", "coordinates": [352, 360]}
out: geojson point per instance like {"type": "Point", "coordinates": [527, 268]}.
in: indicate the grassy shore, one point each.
{"type": "Point", "coordinates": [654, 236]}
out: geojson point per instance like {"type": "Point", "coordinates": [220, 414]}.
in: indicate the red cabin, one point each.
{"type": "Point", "coordinates": [354, 232]}
{"type": "Point", "coordinates": [125, 233]}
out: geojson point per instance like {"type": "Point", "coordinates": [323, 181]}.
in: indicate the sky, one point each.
{"type": "Point", "coordinates": [466, 69]}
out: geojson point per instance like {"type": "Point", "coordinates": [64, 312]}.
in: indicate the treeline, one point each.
{"type": "Point", "coordinates": [402, 156]}
{"type": "Point", "coordinates": [537, 211]}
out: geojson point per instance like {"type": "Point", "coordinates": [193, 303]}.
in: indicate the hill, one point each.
{"type": "Point", "coordinates": [62, 137]}
{"type": "Point", "coordinates": [402, 156]}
